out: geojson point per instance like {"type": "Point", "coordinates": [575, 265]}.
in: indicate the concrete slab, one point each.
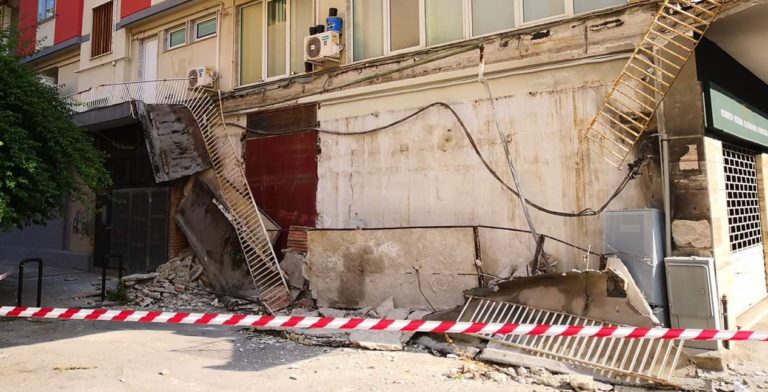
{"type": "Point", "coordinates": [359, 268]}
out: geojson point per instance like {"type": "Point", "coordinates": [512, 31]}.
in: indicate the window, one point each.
{"type": "Point", "coordinates": [542, 9]}
{"type": "Point", "coordinates": [489, 16]}
{"type": "Point", "coordinates": [251, 37]}
{"type": "Point", "coordinates": [302, 16]}
{"type": "Point", "coordinates": [101, 33]}
{"type": "Point", "coordinates": [368, 27]}
{"type": "Point", "coordinates": [176, 37]}
{"type": "Point", "coordinates": [382, 27]}
{"type": "Point", "coordinates": [581, 6]}
{"type": "Point", "coordinates": [272, 38]}
{"type": "Point", "coordinates": [205, 28]}
{"type": "Point", "coordinates": [277, 37]}
{"type": "Point", "coordinates": [45, 9]}
{"type": "Point", "coordinates": [404, 22]}
{"type": "Point", "coordinates": [444, 21]}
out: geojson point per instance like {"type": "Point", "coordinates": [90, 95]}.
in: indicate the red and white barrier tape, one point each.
{"type": "Point", "coordinates": [328, 323]}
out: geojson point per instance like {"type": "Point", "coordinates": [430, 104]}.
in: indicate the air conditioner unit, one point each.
{"type": "Point", "coordinates": [202, 76]}
{"type": "Point", "coordinates": [323, 47]}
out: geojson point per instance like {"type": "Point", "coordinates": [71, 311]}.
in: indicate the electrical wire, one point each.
{"type": "Point", "coordinates": [510, 162]}
{"type": "Point", "coordinates": [634, 167]}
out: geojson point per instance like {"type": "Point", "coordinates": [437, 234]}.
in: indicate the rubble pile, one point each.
{"type": "Point", "coordinates": [181, 284]}
{"type": "Point", "coordinates": [527, 376]}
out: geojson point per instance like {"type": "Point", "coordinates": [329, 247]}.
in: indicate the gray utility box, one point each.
{"type": "Point", "coordinates": [693, 297]}
{"type": "Point", "coordinates": [636, 237]}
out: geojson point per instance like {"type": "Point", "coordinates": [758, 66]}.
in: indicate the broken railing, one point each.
{"type": "Point", "coordinates": [666, 46]}
{"type": "Point", "coordinates": [630, 360]}
{"type": "Point", "coordinates": [243, 212]}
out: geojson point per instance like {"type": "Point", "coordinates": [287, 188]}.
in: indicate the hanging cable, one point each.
{"type": "Point", "coordinates": [510, 162]}
{"type": "Point", "coordinates": [634, 167]}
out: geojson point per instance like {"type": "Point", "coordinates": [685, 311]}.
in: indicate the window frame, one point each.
{"type": "Point", "coordinates": [175, 29]}
{"type": "Point", "coordinates": [43, 12]}
{"type": "Point", "coordinates": [265, 40]}
{"type": "Point", "coordinates": [204, 19]}
{"type": "Point", "coordinates": [519, 23]}
{"type": "Point", "coordinates": [110, 30]}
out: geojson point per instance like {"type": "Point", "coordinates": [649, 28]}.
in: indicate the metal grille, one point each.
{"type": "Point", "coordinates": [631, 360]}
{"type": "Point", "coordinates": [243, 212]}
{"type": "Point", "coordinates": [647, 77]}
{"type": "Point", "coordinates": [742, 197]}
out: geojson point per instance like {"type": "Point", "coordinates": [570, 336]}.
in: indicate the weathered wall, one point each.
{"type": "Point", "coordinates": [357, 268]}
{"type": "Point", "coordinates": [424, 171]}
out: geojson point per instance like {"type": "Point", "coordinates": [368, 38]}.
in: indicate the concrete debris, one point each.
{"type": "Point", "coordinates": [181, 283]}
{"type": "Point", "coordinates": [438, 345]}
{"type": "Point", "coordinates": [419, 314]}
{"type": "Point", "coordinates": [310, 337]}
{"type": "Point", "coordinates": [387, 306]}
{"type": "Point", "coordinates": [293, 267]}
{"type": "Point", "coordinates": [398, 314]}
{"type": "Point", "coordinates": [330, 312]}
{"type": "Point", "coordinates": [379, 341]}
{"type": "Point", "coordinates": [579, 293]}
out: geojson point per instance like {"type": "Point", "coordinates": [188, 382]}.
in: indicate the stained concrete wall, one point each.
{"type": "Point", "coordinates": [425, 172]}
{"type": "Point", "coordinates": [357, 268]}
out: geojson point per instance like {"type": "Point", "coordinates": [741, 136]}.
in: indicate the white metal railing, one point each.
{"type": "Point", "coordinates": [631, 360]}
{"type": "Point", "coordinates": [243, 211]}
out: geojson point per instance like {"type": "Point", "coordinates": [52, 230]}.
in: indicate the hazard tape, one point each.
{"type": "Point", "coordinates": [348, 324]}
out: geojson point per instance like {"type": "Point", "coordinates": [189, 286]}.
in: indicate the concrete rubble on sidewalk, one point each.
{"type": "Point", "coordinates": [181, 283]}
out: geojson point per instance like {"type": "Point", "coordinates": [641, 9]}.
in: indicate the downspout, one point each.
{"type": "Point", "coordinates": [218, 40]}
{"type": "Point", "coordinates": [661, 124]}
{"type": "Point", "coordinates": [665, 179]}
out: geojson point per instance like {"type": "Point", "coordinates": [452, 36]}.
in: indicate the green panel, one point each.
{"type": "Point", "coordinates": [205, 28]}
{"type": "Point", "coordinates": [176, 38]}
{"type": "Point", "coordinates": [728, 114]}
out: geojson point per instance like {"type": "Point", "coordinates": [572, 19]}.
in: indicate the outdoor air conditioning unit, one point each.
{"type": "Point", "coordinates": [201, 76]}
{"type": "Point", "coordinates": [322, 47]}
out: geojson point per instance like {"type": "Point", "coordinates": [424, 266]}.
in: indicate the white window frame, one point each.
{"type": "Point", "coordinates": [43, 12]}
{"type": "Point", "coordinates": [204, 19]}
{"type": "Point", "coordinates": [174, 29]}
{"type": "Point", "coordinates": [467, 25]}
{"type": "Point", "coordinates": [265, 40]}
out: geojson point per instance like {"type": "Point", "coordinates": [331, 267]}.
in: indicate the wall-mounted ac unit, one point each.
{"type": "Point", "coordinates": [201, 76]}
{"type": "Point", "coordinates": [323, 47]}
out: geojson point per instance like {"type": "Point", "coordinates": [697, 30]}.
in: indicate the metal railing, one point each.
{"type": "Point", "coordinates": [647, 77]}
{"type": "Point", "coordinates": [20, 292]}
{"type": "Point", "coordinates": [243, 212]}
{"type": "Point", "coordinates": [651, 361]}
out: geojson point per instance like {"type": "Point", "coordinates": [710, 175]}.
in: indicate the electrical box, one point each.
{"type": "Point", "coordinates": [693, 296]}
{"type": "Point", "coordinates": [637, 238]}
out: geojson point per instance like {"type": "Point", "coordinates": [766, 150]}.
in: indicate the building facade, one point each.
{"type": "Point", "coordinates": [323, 145]}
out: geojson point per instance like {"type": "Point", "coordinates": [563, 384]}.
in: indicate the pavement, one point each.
{"type": "Point", "coordinates": [40, 355]}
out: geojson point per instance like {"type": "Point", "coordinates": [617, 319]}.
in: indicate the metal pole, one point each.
{"type": "Point", "coordinates": [39, 282]}
{"type": "Point", "coordinates": [119, 268]}
{"type": "Point", "coordinates": [21, 284]}
{"type": "Point", "coordinates": [104, 265]}
{"type": "Point", "coordinates": [20, 293]}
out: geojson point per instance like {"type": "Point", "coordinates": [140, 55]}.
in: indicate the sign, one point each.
{"type": "Point", "coordinates": [731, 115]}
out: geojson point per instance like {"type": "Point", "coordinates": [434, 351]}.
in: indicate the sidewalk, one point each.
{"type": "Point", "coordinates": [62, 287]}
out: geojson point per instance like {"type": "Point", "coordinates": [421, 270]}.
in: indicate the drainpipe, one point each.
{"type": "Point", "coordinates": [665, 179]}
{"type": "Point", "coordinates": [218, 40]}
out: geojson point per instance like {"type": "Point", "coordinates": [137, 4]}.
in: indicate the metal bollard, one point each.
{"type": "Point", "coordinates": [19, 294]}
{"type": "Point", "coordinates": [104, 266]}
